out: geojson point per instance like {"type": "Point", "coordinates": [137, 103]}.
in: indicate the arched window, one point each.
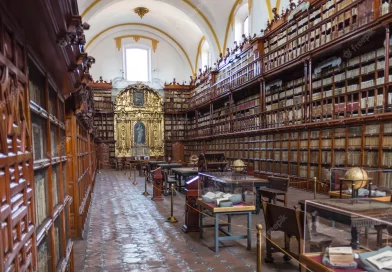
{"type": "Point", "coordinates": [246, 26]}
{"type": "Point", "coordinates": [137, 63]}
{"type": "Point", "coordinates": [241, 22]}
{"type": "Point", "coordinates": [205, 55]}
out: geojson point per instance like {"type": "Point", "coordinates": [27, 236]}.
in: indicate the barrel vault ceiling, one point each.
{"type": "Point", "coordinates": [183, 23]}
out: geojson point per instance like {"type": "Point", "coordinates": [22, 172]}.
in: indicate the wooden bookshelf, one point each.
{"type": "Point", "coordinates": [36, 83]}
{"type": "Point", "coordinates": [104, 122]}
{"type": "Point", "coordinates": [176, 98]}
{"type": "Point", "coordinates": [47, 109]}
{"type": "Point", "coordinates": [82, 163]}
{"type": "Point", "coordinates": [321, 99]}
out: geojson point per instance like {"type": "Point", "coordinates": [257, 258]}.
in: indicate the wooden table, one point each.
{"type": "Point", "coordinates": [216, 212]}
{"type": "Point", "coordinates": [313, 261]}
{"type": "Point", "coordinates": [169, 165]}
{"type": "Point", "coordinates": [216, 165]}
{"type": "Point", "coordinates": [355, 213]}
{"type": "Point", "coordinates": [336, 194]}
{"type": "Point", "coordinates": [182, 174]}
{"type": "Point", "coordinates": [154, 164]}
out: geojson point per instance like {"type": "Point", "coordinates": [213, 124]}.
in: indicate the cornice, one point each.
{"type": "Point", "coordinates": [136, 38]}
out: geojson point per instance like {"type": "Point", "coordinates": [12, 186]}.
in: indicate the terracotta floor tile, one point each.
{"type": "Point", "coordinates": [128, 232]}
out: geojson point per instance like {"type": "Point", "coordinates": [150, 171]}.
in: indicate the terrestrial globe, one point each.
{"type": "Point", "coordinates": [356, 175]}
{"type": "Point", "coordinates": [194, 159]}
{"type": "Point", "coordinates": [238, 166]}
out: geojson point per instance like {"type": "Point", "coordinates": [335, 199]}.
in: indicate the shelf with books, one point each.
{"type": "Point", "coordinates": [314, 29]}
{"type": "Point", "coordinates": [327, 110]}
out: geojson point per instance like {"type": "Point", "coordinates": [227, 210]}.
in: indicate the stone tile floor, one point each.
{"type": "Point", "coordinates": [127, 232]}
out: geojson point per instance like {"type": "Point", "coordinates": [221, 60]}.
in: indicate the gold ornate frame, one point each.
{"type": "Point", "coordinates": [126, 115]}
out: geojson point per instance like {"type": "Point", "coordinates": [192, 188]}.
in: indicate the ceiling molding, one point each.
{"type": "Point", "coordinates": [208, 23]}
{"type": "Point", "coordinates": [186, 1]}
{"type": "Point", "coordinates": [136, 38]}
{"type": "Point", "coordinates": [148, 26]}
{"type": "Point", "coordinates": [230, 22]}
{"type": "Point", "coordinates": [269, 8]}
{"type": "Point", "coordinates": [90, 7]}
{"type": "Point", "coordinates": [278, 5]}
{"type": "Point", "coordinates": [199, 52]}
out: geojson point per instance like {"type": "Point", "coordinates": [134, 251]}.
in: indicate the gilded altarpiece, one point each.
{"type": "Point", "coordinates": [139, 122]}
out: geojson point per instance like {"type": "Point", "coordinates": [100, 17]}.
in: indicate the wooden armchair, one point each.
{"type": "Point", "coordinates": [250, 170]}
{"type": "Point", "coordinates": [292, 223]}
{"type": "Point", "coordinates": [119, 164]}
{"type": "Point", "coordinates": [278, 186]}
{"type": "Point", "coordinates": [149, 173]}
{"type": "Point", "coordinates": [167, 182]}
{"type": "Point", "coordinates": [317, 242]}
{"type": "Point", "coordinates": [282, 219]}
{"type": "Point", "coordinates": [142, 166]}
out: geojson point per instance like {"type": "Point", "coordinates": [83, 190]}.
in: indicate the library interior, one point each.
{"type": "Point", "coordinates": [195, 135]}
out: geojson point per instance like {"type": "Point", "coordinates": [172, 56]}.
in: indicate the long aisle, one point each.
{"type": "Point", "coordinates": [127, 232]}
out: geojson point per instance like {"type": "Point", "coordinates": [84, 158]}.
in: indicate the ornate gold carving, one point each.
{"type": "Point", "coordinates": [136, 38]}
{"type": "Point", "coordinates": [141, 11]}
{"type": "Point", "coordinates": [127, 114]}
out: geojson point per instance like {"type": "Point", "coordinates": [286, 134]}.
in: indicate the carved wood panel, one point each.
{"type": "Point", "coordinates": [17, 246]}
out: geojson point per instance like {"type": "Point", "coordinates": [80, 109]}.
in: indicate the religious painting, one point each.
{"type": "Point", "coordinates": [138, 99]}
{"type": "Point", "coordinates": [139, 133]}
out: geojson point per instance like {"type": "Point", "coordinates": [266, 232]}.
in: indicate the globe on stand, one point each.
{"type": "Point", "coordinates": [194, 159]}
{"type": "Point", "coordinates": [238, 167]}
{"type": "Point", "coordinates": [355, 178]}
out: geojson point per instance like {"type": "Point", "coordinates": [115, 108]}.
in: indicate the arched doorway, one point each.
{"type": "Point", "coordinates": [139, 122]}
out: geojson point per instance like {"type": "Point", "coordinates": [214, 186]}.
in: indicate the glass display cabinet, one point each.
{"type": "Point", "coordinates": [227, 190]}
{"type": "Point", "coordinates": [222, 195]}
{"type": "Point", "coordinates": [346, 235]}
{"type": "Point", "coordinates": [367, 183]}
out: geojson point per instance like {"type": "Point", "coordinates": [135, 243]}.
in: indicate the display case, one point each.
{"type": "Point", "coordinates": [346, 234]}
{"type": "Point", "coordinates": [227, 191]}
{"type": "Point", "coordinates": [226, 194]}
{"type": "Point", "coordinates": [375, 184]}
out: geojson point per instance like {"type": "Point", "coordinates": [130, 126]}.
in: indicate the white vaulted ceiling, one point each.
{"type": "Point", "coordinates": [182, 23]}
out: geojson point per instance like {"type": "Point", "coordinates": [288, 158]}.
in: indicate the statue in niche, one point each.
{"type": "Point", "coordinates": [138, 99]}
{"type": "Point", "coordinates": [140, 133]}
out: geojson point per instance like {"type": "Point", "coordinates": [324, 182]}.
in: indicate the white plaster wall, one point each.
{"type": "Point", "coordinates": [167, 61]}
{"type": "Point", "coordinates": [260, 15]}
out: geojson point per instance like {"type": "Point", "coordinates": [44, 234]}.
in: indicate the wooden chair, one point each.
{"type": "Point", "coordinates": [286, 220]}
{"type": "Point", "coordinates": [278, 186]}
{"type": "Point", "coordinates": [168, 181]}
{"type": "Point", "coordinates": [292, 223]}
{"type": "Point", "coordinates": [149, 173]}
{"type": "Point", "coordinates": [250, 171]}
{"type": "Point", "coordinates": [128, 163]}
{"type": "Point", "coordinates": [142, 168]}
{"type": "Point", "coordinates": [119, 164]}
{"type": "Point", "coordinates": [318, 242]}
